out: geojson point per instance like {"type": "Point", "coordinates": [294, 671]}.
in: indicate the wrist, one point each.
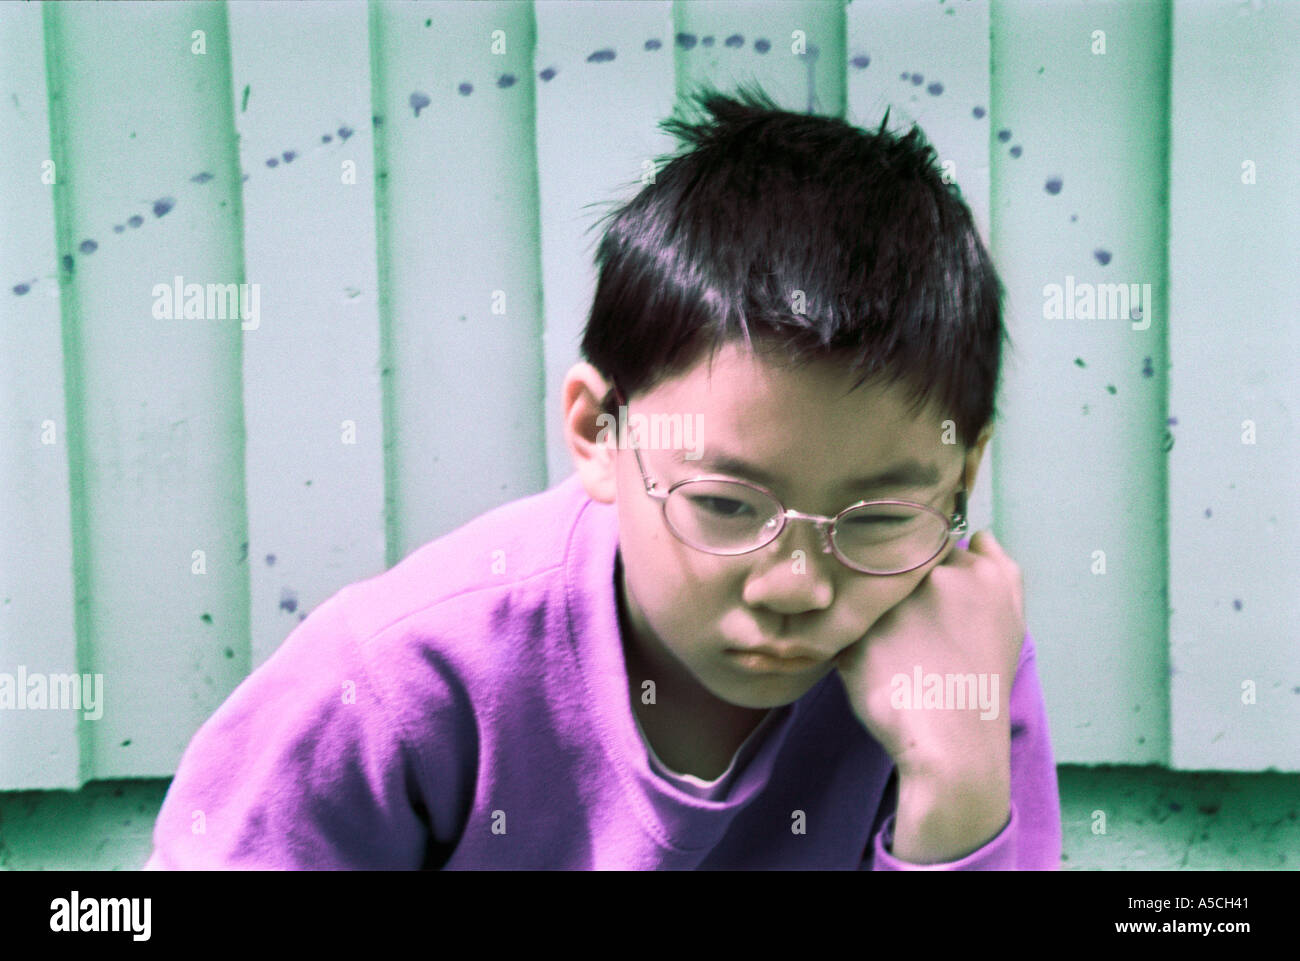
{"type": "Point", "coordinates": [938, 821]}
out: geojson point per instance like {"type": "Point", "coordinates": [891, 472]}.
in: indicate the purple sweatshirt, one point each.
{"type": "Point", "coordinates": [469, 709]}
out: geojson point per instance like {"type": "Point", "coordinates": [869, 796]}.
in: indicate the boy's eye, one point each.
{"type": "Point", "coordinates": [722, 506]}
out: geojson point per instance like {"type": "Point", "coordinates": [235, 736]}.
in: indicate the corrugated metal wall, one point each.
{"type": "Point", "coordinates": [410, 187]}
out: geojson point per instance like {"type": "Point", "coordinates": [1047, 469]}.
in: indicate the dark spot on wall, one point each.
{"type": "Point", "coordinates": [20, 289]}
{"type": "Point", "coordinates": [288, 600]}
{"type": "Point", "coordinates": [686, 41]}
{"type": "Point", "coordinates": [1236, 604]}
{"type": "Point", "coordinates": [1053, 185]}
{"type": "Point", "coordinates": [978, 113]}
{"type": "Point", "coordinates": [653, 44]}
{"type": "Point", "coordinates": [735, 40]}
{"type": "Point", "coordinates": [243, 551]}
{"type": "Point", "coordinates": [206, 618]}
{"type": "Point", "coordinates": [547, 74]}
{"type": "Point", "coordinates": [419, 101]}
{"type": "Point", "coordinates": [1078, 362]}
{"type": "Point", "coordinates": [272, 162]}
{"type": "Point", "coordinates": [162, 205]}
{"type": "Point", "coordinates": [1175, 806]}
{"type": "Point", "coordinates": [119, 229]}
{"type": "Point", "coordinates": [376, 120]}
{"type": "Point", "coordinates": [1103, 256]}
{"type": "Point", "coordinates": [904, 75]}
{"type": "Point", "coordinates": [934, 89]}
{"type": "Point", "coordinates": [345, 132]}
{"type": "Point", "coordinates": [1110, 388]}
{"type": "Point", "coordinates": [88, 247]}
{"type": "Point", "coordinates": [1142, 740]}
{"type": "Point", "coordinates": [429, 22]}
{"type": "Point", "coordinates": [1147, 369]}
{"type": "Point", "coordinates": [917, 80]}
{"type": "Point", "coordinates": [1167, 442]}
{"type": "Point", "coordinates": [1073, 217]}
{"type": "Point", "coordinates": [762, 45]}
{"type": "Point", "coordinates": [135, 220]}
{"type": "Point", "coordinates": [1208, 808]}
{"type": "Point", "coordinates": [244, 105]}
{"type": "Point", "coordinates": [465, 89]}
{"type": "Point", "coordinates": [126, 743]}
{"type": "Point", "coordinates": [288, 156]}
{"type": "Point", "coordinates": [707, 41]}
{"type": "Point", "coordinates": [326, 138]}
{"type": "Point", "coordinates": [1172, 422]}
{"type": "Point", "coordinates": [270, 560]}
{"type": "Point", "coordinates": [1004, 135]}
{"type": "Point", "coordinates": [201, 178]}
{"type": "Point", "coordinates": [506, 80]}
{"type": "Point", "coordinates": [229, 652]}
{"type": "Point", "coordinates": [68, 263]}
{"type": "Point", "coordinates": [861, 61]}
{"type": "Point", "coordinates": [1015, 151]}
{"type": "Point", "coordinates": [302, 616]}
{"type": "Point", "coordinates": [1208, 512]}
{"type": "Point", "coordinates": [600, 56]}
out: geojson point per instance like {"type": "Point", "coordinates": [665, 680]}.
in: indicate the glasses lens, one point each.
{"type": "Point", "coordinates": [887, 538]}
{"type": "Point", "coordinates": [721, 516]}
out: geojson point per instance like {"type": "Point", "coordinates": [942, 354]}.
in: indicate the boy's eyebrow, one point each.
{"type": "Point", "coordinates": [907, 473]}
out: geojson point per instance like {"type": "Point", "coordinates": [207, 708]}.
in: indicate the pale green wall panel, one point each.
{"type": "Point", "coordinates": [156, 423]}
{"type": "Point", "coordinates": [604, 80]}
{"type": "Point", "coordinates": [38, 748]}
{"type": "Point", "coordinates": [312, 364]}
{"type": "Point", "coordinates": [803, 69]}
{"type": "Point", "coordinates": [929, 64]}
{"type": "Point", "coordinates": [1080, 463]}
{"type": "Point", "coordinates": [459, 264]}
{"type": "Point", "coordinates": [1234, 260]}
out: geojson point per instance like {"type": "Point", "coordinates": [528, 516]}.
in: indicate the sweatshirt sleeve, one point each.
{"type": "Point", "coordinates": [302, 767]}
{"type": "Point", "coordinates": [1031, 838]}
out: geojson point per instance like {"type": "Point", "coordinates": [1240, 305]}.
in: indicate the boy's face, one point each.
{"type": "Point", "coordinates": [802, 427]}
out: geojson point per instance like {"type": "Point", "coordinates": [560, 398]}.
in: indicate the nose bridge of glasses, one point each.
{"type": "Point", "coordinates": [822, 523]}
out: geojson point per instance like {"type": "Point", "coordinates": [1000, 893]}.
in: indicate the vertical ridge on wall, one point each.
{"type": "Point", "coordinates": [1079, 200]}
{"type": "Point", "coordinates": [160, 584]}
{"type": "Point", "coordinates": [38, 749]}
{"type": "Point", "coordinates": [460, 244]}
{"type": "Point", "coordinates": [1234, 350]}
{"type": "Point", "coordinates": [312, 379]}
{"type": "Point", "coordinates": [604, 79]}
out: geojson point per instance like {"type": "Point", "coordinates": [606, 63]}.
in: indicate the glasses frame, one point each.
{"type": "Point", "coordinates": [826, 525]}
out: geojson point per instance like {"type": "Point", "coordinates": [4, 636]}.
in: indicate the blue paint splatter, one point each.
{"type": "Point", "coordinates": [934, 89]}
{"type": "Point", "coordinates": [288, 600]}
{"type": "Point", "coordinates": [1016, 151]}
{"type": "Point", "coordinates": [326, 138]}
{"type": "Point", "coordinates": [465, 89]}
{"type": "Point", "coordinates": [686, 41]}
{"type": "Point", "coordinates": [345, 132]}
{"type": "Point", "coordinates": [270, 560]}
{"type": "Point", "coordinates": [88, 247]}
{"type": "Point", "coordinates": [68, 263]}
{"type": "Point", "coordinates": [1004, 135]}
{"type": "Point", "coordinates": [861, 61]}
{"type": "Point", "coordinates": [1110, 389]}
{"type": "Point", "coordinates": [547, 74]}
{"type": "Point", "coordinates": [506, 80]}
{"type": "Point", "coordinates": [762, 45]}
{"type": "Point", "coordinates": [376, 120]}
{"type": "Point", "coordinates": [1078, 362]}
{"type": "Point", "coordinates": [735, 40]}
{"type": "Point", "coordinates": [601, 56]}
{"type": "Point", "coordinates": [1053, 185]}
{"type": "Point", "coordinates": [1208, 512]}
{"type": "Point", "coordinates": [272, 162]}
{"type": "Point", "coordinates": [653, 44]}
{"type": "Point", "coordinates": [20, 289]}
{"type": "Point", "coordinates": [135, 220]}
{"type": "Point", "coordinates": [119, 229]}
{"type": "Point", "coordinates": [707, 41]}
{"type": "Point", "coordinates": [419, 101]}
{"type": "Point", "coordinates": [201, 178]}
{"type": "Point", "coordinates": [917, 80]}
{"type": "Point", "coordinates": [1103, 256]}
{"type": "Point", "coordinates": [1073, 217]}
{"type": "Point", "coordinates": [1172, 422]}
{"type": "Point", "coordinates": [1236, 604]}
{"type": "Point", "coordinates": [289, 155]}
{"type": "Point", "coordinates": [162, 205]}
{"type": "Point", "coordinates": [978, 113]}
{"type": "Point", "coordinates": [1147, 369]}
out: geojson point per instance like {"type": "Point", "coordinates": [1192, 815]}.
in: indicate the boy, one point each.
{"type": "Point", "coordinates": [692, 654]}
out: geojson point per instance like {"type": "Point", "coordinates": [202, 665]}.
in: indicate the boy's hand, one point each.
{"type": "Point", "coordinates": [954, 766]}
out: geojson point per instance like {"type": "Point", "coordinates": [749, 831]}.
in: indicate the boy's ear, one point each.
{"type": "Point", "coordinates": [975, 456]}
{"type": "Point", "coordinates": [588, 430]}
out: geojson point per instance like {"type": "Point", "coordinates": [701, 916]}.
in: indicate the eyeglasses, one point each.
{"type": "Point", "coordinates": [728, 517]}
